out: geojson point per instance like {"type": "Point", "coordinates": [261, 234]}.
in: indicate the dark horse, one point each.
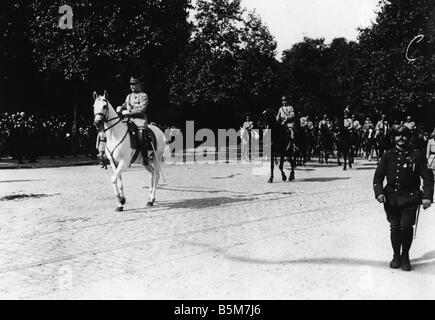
{"type": "Point", "coordinates": [302, 141]}
{"type": "Point", "coordinates": [383, 143]}
{"type": "Point", "coordinates": [345, 145]}
{"type": "Point", "coordinates": [325, 142]}
{"type": "Point", "coordinates": [282, 145]}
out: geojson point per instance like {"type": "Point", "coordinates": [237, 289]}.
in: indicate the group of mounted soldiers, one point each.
{"type": "Point", "coordinates": [347, 137]}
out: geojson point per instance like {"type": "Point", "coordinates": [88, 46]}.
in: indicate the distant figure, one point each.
{"type": "Point", "coordinates": [430, 151]}
{"type": "Point", "coordinates": [101, 147]}
{"type": "Point", "coordinates": [409, 123]}
{"type": "Point", "coordinates": [347, 122]}
{"type": "Point", "coordinates": [245, 135]}
{"type": "Point", "coordinates": [382, 127]}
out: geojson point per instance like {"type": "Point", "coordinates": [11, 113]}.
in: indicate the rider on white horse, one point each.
{"type": "Point", "coordinates": [135, 108]}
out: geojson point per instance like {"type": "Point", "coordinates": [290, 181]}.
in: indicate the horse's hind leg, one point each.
{"type": "Point", "coordinates": [154, 180]}
{"type": "Point", "coordinates": [281, 168]}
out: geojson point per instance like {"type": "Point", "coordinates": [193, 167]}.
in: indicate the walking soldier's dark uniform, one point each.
{"type": "Point", "coordinates": [403, 167]}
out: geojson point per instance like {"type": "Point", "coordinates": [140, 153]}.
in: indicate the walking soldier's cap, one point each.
{"type": "Point", "coordinates": [134, 80]}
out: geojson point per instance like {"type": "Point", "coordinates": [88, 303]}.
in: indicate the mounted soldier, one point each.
{"type": "Point", "coordinates": [347, 122]}
{"type": "Point", "coordinates": [382, 127]}
{"type": "Point", "coordinates": [134, 108]}
{"type": "Point", "coordinates": [286, 116]}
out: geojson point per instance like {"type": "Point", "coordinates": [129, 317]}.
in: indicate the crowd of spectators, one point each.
{"type": "Point", "coordinates": [27, 136]}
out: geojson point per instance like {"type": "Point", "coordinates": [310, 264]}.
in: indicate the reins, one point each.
{"type": "Point", "coordinates": [110, 127]}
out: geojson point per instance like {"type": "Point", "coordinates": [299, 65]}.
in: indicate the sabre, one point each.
{"type": "Point", "coordinates": [419, 37]}
{"type": "Point", "coordinates": [416, 221]}
{"type": "Point", "coordinates": [158, 162]}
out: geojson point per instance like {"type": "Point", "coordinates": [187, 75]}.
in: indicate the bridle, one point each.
{"type": "Point", "coordinates": [105, 120]}
{"type": "Point", "coordinates": [105, 116]}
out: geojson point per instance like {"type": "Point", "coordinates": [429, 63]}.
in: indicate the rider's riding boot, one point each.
{"type": "Point", "coordinates": [143, 145]}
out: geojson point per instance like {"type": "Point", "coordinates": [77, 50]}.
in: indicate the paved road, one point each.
{"type": "Point", "coordinates": [216, 232]}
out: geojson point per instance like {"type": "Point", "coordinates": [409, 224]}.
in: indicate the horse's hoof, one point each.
{"type": "Point", "coordinates": [344, 169]}
{"type": "Point", "coordinates": [122, 201]}
{"type": "Point", "coordinates": [119, 209]}
{"type": "Point", "coordinates": [150, 203]}
{"type": "Point", "coordinates": [270, 181]}
{"type": "Point", "coordinates": [284, 178]}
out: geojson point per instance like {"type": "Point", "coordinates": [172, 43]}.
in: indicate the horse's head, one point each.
{"type": "Point", "coordinates": [101, 109]}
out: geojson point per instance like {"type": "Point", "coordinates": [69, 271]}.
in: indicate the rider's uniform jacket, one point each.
{"type": "Point", "coordinates": [310, 125]}
{"type": "Point", "coordinates": [285, 114]}
{"type": "Point", "coordinates": [410, 125]}
{"type": "Point", "coordinates": [366, 126]}
{"type": "Point", "coordinates": [324, 124]}
{"type": "Point", "coordinates": [248, 125]}
{"type": "Point", "coordinates": [136, 104]}
{"type": "Point", "coordinates": [403, 170]}
{"type": "Point", "coordinates": [382, 126]}
{"type": "Point", "coordinates": [347, 123]}
{"type": "Point", "coordinates": [356, 124]}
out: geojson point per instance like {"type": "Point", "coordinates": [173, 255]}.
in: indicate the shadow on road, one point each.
{"type": "Point", "coordinates": [229, 177]}
{"type": "Point", "coordinates": [10, 181]}
{"type": "Point", "coordinates": [323, 179]}
{"type": "Point", "coordinates": [421, 264]}
{"type": "Point", "coordinates": [195, 190]}
{"type": "Point", "coordinates": [203, 203]}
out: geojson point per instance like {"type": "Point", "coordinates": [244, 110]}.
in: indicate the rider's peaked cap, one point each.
{"type": "Point", "coordinates": [134, 80]}
{"type": "Point", "coordinates": [402, 130]}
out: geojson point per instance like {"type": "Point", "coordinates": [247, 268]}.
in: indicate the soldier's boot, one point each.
{"type": "Point", "coordinates": [396, 242]}
{"type": "Point", "coordinates": [142, 137]}
{"type": "Point", "coordinates": [407, 235]}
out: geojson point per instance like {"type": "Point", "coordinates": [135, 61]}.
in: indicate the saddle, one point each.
{"type": "Point", "coordinates": [135, 141]}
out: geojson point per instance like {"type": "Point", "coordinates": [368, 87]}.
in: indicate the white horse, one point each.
{"type": "Point", "coordinates": [119, 150]}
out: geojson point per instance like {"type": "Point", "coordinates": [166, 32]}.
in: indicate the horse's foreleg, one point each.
{"type": "Point", "coordinates": [121, 190]}
{"type": "Point", "coordinates": [272, 165]}
{"type": "Point", "coordinates": [117, 184]}
{"type": "Point", "coordinates": [345, 159]}
{"type": "Point", "coordinates": [292, 172]}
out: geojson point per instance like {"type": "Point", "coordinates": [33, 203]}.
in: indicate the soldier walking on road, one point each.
{"type": "Point", "coordinates": [403, 167]}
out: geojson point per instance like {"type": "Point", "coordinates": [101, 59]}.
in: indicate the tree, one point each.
{"type": "Point", "coordinates": [392, 84]}
{"type": "Point", "coordinates": [108, 41]}
{"type": "Point", "coordinates": [229, 66]}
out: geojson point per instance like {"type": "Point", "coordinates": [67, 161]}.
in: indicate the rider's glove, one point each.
{"type": "Point", "coordinates": [119, 109]}
{"type": "Point", "coordinates": [125, 113]}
